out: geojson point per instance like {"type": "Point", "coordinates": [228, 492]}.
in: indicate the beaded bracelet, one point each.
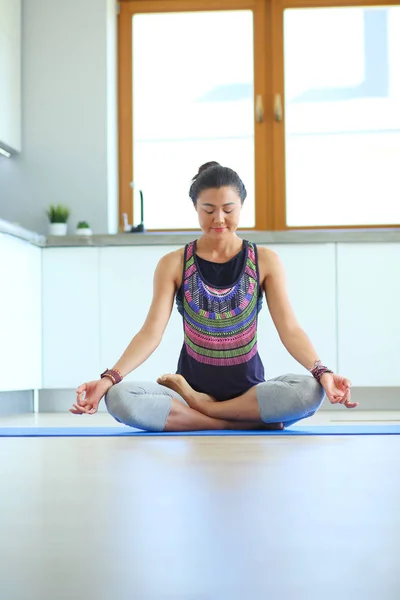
{"type": "Point", "coordinates": [112, 374]}
{"type": "Point", "coordinates": [318, 370]}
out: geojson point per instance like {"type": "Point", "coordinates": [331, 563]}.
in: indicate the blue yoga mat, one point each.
{"type": "Point", "coordinates": [127, 431]}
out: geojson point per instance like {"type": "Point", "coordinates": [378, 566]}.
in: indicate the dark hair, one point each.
{"type": "Point", "coordinates": [213, 175]}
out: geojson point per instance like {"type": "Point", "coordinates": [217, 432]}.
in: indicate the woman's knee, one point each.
{"type": "Point", "coordinates": [312, 393]}
{"type": "Point", "coordinates": [131, 403]}
{"type": "Point", "coordinates": [119, 393]}
{"type": "Point", "coordinates": [289, 398]}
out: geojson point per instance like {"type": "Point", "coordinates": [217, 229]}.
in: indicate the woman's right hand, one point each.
{"type": "Point", "coordinates": [89, 396]}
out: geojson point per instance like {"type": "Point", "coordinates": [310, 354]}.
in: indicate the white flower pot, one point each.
{"type": "Point", "coordinates": [58, 228]}
{"type": "Point", "coordinates": [84, 231]}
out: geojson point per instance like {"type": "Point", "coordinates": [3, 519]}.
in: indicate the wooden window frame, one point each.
{"type": "Point", "coordinates": [269, 135]}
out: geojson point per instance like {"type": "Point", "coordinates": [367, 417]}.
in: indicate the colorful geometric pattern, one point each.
{"type": "Point", "coordinates": [220, 325]}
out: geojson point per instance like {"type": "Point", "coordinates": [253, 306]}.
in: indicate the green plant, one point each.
{"type": "Point", "coordinates": [58, 213]}
{"type": "Point", "coordinates": [83, 225]}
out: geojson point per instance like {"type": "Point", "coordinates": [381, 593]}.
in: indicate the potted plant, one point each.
{"type": "Point", "coordinates": [58, 216]}
{"type": "Point", "coordinates": [83, 228]}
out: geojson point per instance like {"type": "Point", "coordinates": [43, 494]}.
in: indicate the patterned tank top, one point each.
{"type": "Point", "coordinates": [219, 355]}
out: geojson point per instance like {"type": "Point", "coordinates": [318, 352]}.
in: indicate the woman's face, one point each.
{"type": "Point", "coordinates": [219, 211]}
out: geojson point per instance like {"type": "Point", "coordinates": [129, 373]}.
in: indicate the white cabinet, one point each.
{"type": "Point", "coordinates": [96, 299]}
{"type": "Point", "coordinates": [10, 74]}
{"type": "Point", "coordinates": [369, 313]}
{"type": "Point", "coordinates": [126, 290]}
{"type": "Point", "coordinates": [71, 316]}
{"type": "Point", "coordinates": [20, 315]}
{"type": "Point", "coordinates": [311, 284]}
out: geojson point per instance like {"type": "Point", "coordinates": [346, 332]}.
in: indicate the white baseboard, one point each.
{"type": "Point", "coordinates": [373, 398]}
{"type": "Point", "coordinates": [61, 400]}
{"type": "Point", "coordinates": [12, 403]}
{"type": "Point", "coordinates": [369, 399]}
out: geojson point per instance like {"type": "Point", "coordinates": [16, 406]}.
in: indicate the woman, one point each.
{"type": "Point", "coordinates": [218, 282]}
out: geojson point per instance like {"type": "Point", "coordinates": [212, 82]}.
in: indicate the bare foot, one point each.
{"type": "Point", "coordinates": [253, 426]}
{"type": "Point", "coordinates": [179, 384]}
{"type": "Point", "coordinates": [195, 400]}
{"type": "Point", "coordinates": [273, 426]}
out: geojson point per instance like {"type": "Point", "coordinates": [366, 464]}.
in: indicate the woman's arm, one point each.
{"type": "Point", "coordinates": [291, 334]}
{"type": "Point", "coordinates": [166, 280]}
{"type": "Point", "coordinates": [294, 339]}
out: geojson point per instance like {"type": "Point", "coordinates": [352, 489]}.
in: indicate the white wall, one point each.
{"type": "Point", "coordinates": [10, 74]}
{"type": "Point", "coordinates": [65, 53]}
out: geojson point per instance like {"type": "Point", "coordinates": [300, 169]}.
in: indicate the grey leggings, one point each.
{"type": "Point", "coordinates": [285, 399]}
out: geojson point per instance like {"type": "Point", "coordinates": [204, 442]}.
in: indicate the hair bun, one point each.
{"type": "Point", "coordinates": [212, 175]}
{"type": "Point", "coordinates": [206, 166]}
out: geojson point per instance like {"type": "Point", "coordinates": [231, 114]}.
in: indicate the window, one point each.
{"type": "Point", "coordinates": [342, 105]}
{"type": "Point", "coordinates": [301, 100]}
{"type": "Point", "coordinates": [192, 103]}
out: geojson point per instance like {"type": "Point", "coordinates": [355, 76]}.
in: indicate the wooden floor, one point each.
{"type": "Point", "coordinates": [200, 518]}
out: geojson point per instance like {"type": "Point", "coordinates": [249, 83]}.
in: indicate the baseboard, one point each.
{"type": "Point", "coordinates": [60, 401]}
{"type": "Point", "coordinates": [14, 403]}
{"type": "Point", "coordinates": [369, 399]}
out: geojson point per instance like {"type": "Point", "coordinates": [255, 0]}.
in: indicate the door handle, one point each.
{"type": "Point", "coordinates": [278, 108]}
{"type": "Point", "coordinates": [259, 109]}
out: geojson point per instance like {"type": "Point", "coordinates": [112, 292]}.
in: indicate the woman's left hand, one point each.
{"type": "Point", "coordinates": [337, 389]}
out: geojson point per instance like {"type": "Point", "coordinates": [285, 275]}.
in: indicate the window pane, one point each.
{"type": "Point", "coordinates": [342, 106]}
{"type": "Point", "coordinates": [192, 103]}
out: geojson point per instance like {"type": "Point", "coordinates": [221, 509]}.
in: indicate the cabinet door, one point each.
{"type": "Point", "coordinates": [20, 315]}
{"type": "Point", "coordinates": [311, 284]}
{"type": "Point", "coordinates": [369, 313]}
{"type": "Point", "coordinates": [126, 291]}
{"type": "Point", "coordinates": [71, 300]}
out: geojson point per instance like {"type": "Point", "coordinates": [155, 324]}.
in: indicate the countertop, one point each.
{"type": "Point", "coordinates": [295, 236]}
{"type": "Point", "coordinates": [24, 234]}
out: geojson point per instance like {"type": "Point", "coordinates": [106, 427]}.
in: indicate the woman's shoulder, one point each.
{"type": "Point", "coordinates": [268, 260]}
{"type": "Point", "coordinates": [264, 253]}
{"type": "Point", "coordinates": [172, 259]}
{"type": "Point", "coordinates": [170, 266]}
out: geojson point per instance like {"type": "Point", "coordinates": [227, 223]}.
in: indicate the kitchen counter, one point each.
{"type": "Point", "coordinates": [20, 232]}
{"type": "Point", "coordinates": [299, 236]}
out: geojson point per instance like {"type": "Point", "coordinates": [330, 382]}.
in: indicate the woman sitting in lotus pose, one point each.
{"type": "Point", "coordinates": [218, 282]}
